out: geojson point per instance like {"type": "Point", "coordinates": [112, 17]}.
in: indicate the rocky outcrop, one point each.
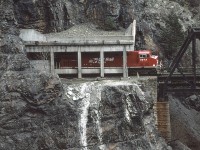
{"type": "Point", "coordinates": [46, 16]}
{"type": "Point", "coordinates": [184, 116]}
{"type": "Point", "coordinates": [58, 15]}
{"type": "Point", "coordinates": [26, 100]}
{"type": "Point", "coordinates": [33, 113]}
{"type": "Point", "coordinates": [25, 93]}
{"type": "Point", "coordinates": [110, 15]}
{"type": "Point", "coordinates": [90, 115]}
{"type": "Point", "coordinates": [112, 115]}
{"type": "Point", "coordinates": [192, 102]}
{"type": "Point", "coordinates": [151, 14]}
{"type": "Point", "coordinates": [11, 47]}
{"type": "Point", "coordinates": [177, 145]}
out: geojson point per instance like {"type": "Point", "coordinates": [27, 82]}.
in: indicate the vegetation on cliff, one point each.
{"type": "Point", "coordinates": [171, 36]}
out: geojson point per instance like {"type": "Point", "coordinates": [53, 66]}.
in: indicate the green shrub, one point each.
{"type": "Point", "coordinates": [110, 24]}
{"type": "Point", "coordinates": [171, 36]}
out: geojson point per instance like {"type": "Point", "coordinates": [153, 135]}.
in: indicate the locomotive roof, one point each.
{"type": "Point", "coordinates": [144, 51]}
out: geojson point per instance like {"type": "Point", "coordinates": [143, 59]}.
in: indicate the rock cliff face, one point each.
{"type": "Point", "coordinates": [99, 115]}
{"type": "Point", "coordinates": [185, 124]}
{"type": "Point", "coordinates": [113, 115]}
{"type": "Point", "coordinates": [55, 16]}
{"type": "Point", "coordinates": [58, 15]}
{"type": "Point", "coordinates": [24, 92]}
{"type": "Point", "coordinates": [47, 16]}
{"type": "Point", "coordinates": [92, 115]}
{"type": "Point", "coordinates": [35, 114]}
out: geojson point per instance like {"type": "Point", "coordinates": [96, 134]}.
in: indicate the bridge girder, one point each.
{"type": "Point", "coordinates": [193, 34]}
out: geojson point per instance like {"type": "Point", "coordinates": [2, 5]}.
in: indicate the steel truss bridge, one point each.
{"type": "Point", "coordinates": [177, 80]}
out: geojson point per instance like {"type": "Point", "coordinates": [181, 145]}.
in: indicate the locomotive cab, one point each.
{"type": "Point", "coordinates": [142, 62]}
{"type": "Point", "coordinates": [141, 58]}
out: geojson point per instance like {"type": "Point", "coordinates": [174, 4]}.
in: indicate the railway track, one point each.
{"type": "Point", "coordinates": [178, 84]}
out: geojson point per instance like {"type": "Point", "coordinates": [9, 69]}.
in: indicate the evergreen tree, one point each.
{"type": "Point", "coordinates": [172, 35]}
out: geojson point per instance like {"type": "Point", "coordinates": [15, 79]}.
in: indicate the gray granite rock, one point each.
{"type": "Point", "coordinates": [113, 115]}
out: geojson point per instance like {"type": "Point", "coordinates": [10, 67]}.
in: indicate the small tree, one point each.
{"type": "Point", "coordinates": [171, 36]}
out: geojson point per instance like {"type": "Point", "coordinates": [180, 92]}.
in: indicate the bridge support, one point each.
{"type": "Point", "coordinates": [163, 119]}
{"type": "Point", "coordinates": [102, 62]}
{"type": "Point", "coordinates": [125, 74]}
{"type": "Point", "coordinates": [79, 63]}
{"type": "Point", "coordinates": [52, 61]}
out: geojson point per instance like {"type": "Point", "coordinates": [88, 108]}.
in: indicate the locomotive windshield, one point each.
{"type": "Point", "coordinates": [143, 56]}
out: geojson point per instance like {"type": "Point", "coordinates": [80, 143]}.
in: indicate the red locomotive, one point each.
{"type": "Point", "coordinates": [141, 58]}
{"type": "Point", "coordinates": [136, 60]}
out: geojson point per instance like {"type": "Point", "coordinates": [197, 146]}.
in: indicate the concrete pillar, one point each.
{"type": "Point", "coordinates": [134, 31]}
{"type": "Point", "coordinates": [52, 60]}
{"type": "Point", "coordinates": [102, 62]}
{"type": "Point", "coordinates": [125, 74]}
{"type": "Point", "coordinates": [79, 63]}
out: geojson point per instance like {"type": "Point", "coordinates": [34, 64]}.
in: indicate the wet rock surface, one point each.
{"type": "Point", "coordinates": [36, 113]}
{"type": "Point", "coordinates": [113, 115]}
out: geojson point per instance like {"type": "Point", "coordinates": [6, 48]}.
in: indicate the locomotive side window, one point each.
{"type": "Point", "coordinates": [143, 56]}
